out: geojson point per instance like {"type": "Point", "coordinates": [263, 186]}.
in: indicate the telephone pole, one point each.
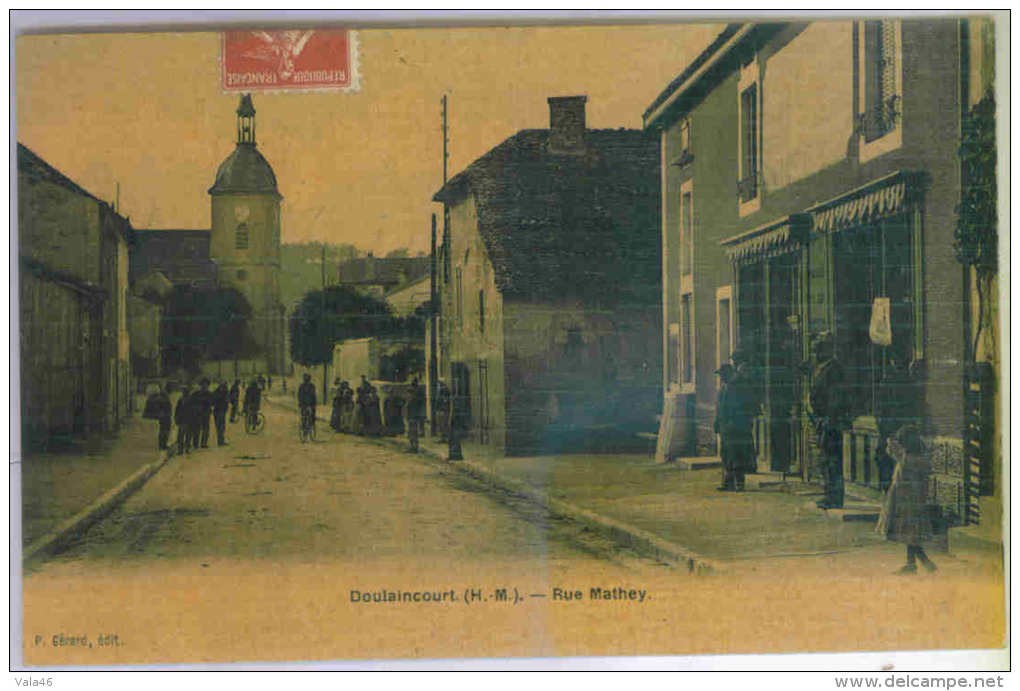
{"type": "Point", "coordinates": [325, 326]}
{"type": "Point", "coordinates": [446, 139]}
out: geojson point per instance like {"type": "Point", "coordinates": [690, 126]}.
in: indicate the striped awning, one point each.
{"type": "Point", "coordinates": [767, 241]}
{"type": "Point", "coordinates": [863, 207]}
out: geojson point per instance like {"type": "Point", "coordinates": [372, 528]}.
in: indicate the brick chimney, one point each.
{"type": "Point", "coordinates": [566, 123]}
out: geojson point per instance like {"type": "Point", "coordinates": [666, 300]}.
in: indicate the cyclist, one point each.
{"type": "Point", "coordinates": [252, 402]}
{"type": "Point", "coordinates": [307, 402]}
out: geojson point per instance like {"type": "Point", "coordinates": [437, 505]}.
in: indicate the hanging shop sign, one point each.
{"type": "Point", "coordinates": [880, 329]}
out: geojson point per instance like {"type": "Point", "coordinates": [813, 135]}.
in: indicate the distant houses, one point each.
{"type": "Point", "coordinates": [380, 276]}
{"type": "Point", "coordinates": [549, 287]}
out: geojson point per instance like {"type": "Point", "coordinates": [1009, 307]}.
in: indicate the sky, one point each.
{"type": "Point", "coordinates": [146, 111]}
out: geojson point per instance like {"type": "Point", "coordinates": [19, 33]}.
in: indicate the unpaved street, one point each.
{"type": "Point", "coordinates": [348, 549]}
{"type": "Point", "coordinates": [262, 549]}
{"type": "Point", "coordinates": [270, 496]}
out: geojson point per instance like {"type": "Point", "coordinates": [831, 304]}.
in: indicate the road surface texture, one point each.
{"type": "Point", "coordinates": [347, 549]}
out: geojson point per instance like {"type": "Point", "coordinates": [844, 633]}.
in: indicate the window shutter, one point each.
{"type": "Point", "coordinates": [887, 70]}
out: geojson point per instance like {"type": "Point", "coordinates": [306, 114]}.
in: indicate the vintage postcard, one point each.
{"type": "Point", "coordinates": [344, 342]}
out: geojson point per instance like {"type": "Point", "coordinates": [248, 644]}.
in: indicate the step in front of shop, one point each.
{"type": "Point", "coordinates": [698, 463]}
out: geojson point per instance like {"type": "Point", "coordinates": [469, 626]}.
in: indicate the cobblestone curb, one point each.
{"type": "Point", "coordinates": [640, 541]}
{"type": "Point", "coordinates": [58, 538]}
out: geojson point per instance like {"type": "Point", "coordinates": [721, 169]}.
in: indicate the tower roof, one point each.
{"type": "Point", "coordinates": [245, 170]}
{"type": "Point", "coordinates": [246, 108]}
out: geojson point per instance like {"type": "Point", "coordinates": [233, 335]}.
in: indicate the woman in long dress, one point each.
{"type": "Point", "coordinates": [905, 516]}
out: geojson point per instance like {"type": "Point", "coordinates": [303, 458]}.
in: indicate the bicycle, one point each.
{"type": "Point", "coordinates": [306, 426]}
{"type": "Point", "coordinates": [254, 423]}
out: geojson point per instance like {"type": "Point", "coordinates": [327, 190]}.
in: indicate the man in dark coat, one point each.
{"type": "Point", "coordinates": [443, 412]}
{"type": "Point", "coordinates": [182, 418]}
{"type": "Point", "coordinates": [252, 400]}
{"type": "Point", "coordinates": [158, 408]}
{"type": "Point", "coordinates": [221, 401]}
{"type": "Point", "coordinates": [460, 422]}
{"type": "Point", "coordinates": [415, 414]}
{"type": "Point", "coordinates": [347, 414]}
{"type": "Point", "coordinates": [735, 415]}
{"type": "Point", "coordinates": [829, 414]}
{"type": "Point", "coordinates": [373, 413]}
{"type": "Point", "coordinates": [334, 418]}
{"type": "Point", "coordinates": [235, 398]}
{"type": "Point", "coordinates": [203, 403]}
{"type": "Point", "coordinates": [361, 414]}
{"type": "Point", "coordinates": [306, 395]}
{"type": "Point", "coordinates": [393, 413]}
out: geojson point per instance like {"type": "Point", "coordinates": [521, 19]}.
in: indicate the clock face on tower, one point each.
{"type": "Point", "coordinates": [241, 213]}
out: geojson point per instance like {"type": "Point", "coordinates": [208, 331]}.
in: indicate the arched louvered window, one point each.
{"type": "Point", "coordinates": [241, 237]}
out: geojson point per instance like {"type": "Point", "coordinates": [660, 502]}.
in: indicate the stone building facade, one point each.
{"type": "Point", "coordinates": [810, 178]}
{"type": "Point", "coordinates": [549, 287]}
{"type": "Point", "coordinates": [75, 346]}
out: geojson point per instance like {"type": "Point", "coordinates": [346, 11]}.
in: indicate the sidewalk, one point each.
{"type": "Point", "coordinates": [56, 486]}
{"type": "Point", "coordinates": [683, 507]}
{"type": "Point", "coordinates": [632, 496]}
{"type": "Point", "coordinates": [675, 514]}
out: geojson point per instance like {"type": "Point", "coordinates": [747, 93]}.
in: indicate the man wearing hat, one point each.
{"type": "Point", "coordinates": [736, 409]}
{"type": "Point", "coordinates": [829, 414]}
{"type": "Point", "coordinates": [202, 401]}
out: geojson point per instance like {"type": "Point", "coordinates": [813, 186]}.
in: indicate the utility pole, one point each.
{"type": "Point", "coordinates": [433, 338]}
{"type": "Point", "coordinates": [434, 295]}
{"type": "Point", "coordinates": [454, 453]}
{"type": "Point", "coordinates": [325, 326]}
{"type": "Point", "coordinates": [446, 140]}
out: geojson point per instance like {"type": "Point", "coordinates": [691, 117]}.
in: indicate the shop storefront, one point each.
{"type": "Point", "coordinates": [850, 266]}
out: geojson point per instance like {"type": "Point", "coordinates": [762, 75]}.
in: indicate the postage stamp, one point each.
{"type": "Point", "coordinates": [290, 60]}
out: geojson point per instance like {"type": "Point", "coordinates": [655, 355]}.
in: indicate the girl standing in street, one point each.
{"type": "Point", "coordinates": [905, 517]}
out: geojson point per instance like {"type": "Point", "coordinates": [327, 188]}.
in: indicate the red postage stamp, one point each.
{"type": "Point", "coordinates": [290, 60]}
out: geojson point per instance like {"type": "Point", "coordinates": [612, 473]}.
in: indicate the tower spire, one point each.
{"type": "Point", "coordinates": [246, 121]}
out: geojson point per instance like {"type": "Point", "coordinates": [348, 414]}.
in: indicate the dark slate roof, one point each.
{"type": "Point", "coordinates": [182, 255]}
{"type": "Point", "coordinates": [30, 164]}
{"type": "Point", "coordinates": [384, 271]}
{"type": "Point", "coordinates": [244, 170]}
{"type": "Point", "coordinates": [572, 226]}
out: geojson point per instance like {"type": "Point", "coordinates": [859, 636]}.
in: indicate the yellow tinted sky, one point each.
{"type": "Point", "coordinates": [146, 110]}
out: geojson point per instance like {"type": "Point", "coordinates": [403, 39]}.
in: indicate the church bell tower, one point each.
{"type": "Point", "coordinates": [245, 242]}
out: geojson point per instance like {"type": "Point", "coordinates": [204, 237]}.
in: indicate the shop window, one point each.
{"type": "Point", "coordinates": [880, 87]}
{"type": "Point", "coordinates": [871, 262]}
